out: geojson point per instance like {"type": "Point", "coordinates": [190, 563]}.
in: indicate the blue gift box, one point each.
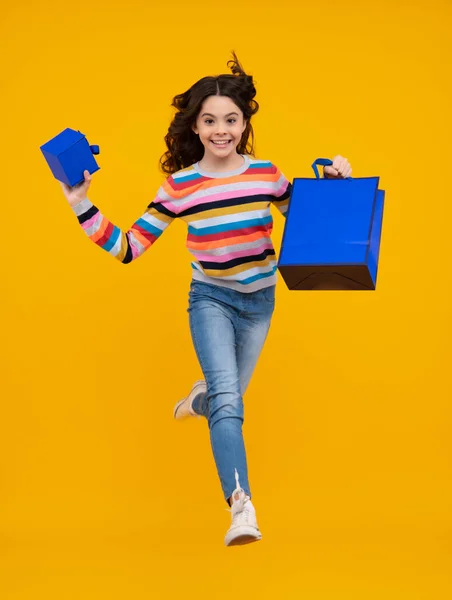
{"type": "Point", "coordinates": [332, 233]}
{"type": "Point", "coordinates": [68, 154]}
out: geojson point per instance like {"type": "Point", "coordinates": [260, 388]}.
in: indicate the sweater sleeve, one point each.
{"type": "Point", "coordinates": [126, 246]}
{"type": "Point", "coordinates": [282, 192]}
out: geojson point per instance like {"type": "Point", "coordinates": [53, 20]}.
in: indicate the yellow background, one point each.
{"type": "Point", "coordinates": [348, 417]}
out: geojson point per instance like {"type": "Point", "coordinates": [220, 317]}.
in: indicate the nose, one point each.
{"type": "Point", "coordinates": [220, 128]}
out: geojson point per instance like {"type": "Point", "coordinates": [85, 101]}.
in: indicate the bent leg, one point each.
{"type": "Point", "coordinates": [214, 339]}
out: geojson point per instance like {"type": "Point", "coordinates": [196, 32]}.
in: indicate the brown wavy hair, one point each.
{"type": "Point", "coordinates": [184, 145]}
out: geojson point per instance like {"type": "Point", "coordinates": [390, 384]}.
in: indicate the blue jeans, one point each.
{"type": "Point", "coordinates": [229, 329]}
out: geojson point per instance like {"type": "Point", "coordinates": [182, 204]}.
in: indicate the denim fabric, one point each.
{"type": "Point", "coordinates": [229, 329]}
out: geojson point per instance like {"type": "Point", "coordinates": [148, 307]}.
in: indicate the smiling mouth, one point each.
{"type": "Point", "coordinates": [221, 144]}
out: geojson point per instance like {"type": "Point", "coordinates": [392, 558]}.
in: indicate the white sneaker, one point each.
{"type": "Point", "coordinates": [184, 407]}
{"type": "Point", "coordinates": [243, 529]}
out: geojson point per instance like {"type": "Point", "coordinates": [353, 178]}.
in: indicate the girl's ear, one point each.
{"type": "Point", "coordinates": [245, 123]}
{"type": "Point", "coordinates": [194, 128]}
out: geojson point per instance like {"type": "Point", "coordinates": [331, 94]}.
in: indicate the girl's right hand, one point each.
{"type": "Point", "coordinates": [74, 195]}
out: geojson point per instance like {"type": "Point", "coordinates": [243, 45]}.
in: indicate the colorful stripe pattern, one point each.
{"type": "Point", "coordinates": [228, 218]}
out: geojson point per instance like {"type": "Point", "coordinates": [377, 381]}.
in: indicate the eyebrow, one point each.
{"type": "Point", "coordinates": [211, 115]}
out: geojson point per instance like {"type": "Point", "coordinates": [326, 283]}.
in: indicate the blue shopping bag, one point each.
{"type": "Point", "coordinates": [332, 233]}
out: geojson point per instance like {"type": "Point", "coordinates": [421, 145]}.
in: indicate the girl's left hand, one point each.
{"type": "Point", "coordinates": [340, 168]}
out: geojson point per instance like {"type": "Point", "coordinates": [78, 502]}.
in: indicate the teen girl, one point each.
{"type": "Point", "coordinates": [223, 193]}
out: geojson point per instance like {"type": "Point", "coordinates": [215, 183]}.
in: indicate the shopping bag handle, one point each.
{"type": "Point", "coordinates": [323, 162]}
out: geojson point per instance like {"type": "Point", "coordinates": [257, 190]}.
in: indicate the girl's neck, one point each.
{"type": "Point", "coordinates": [219, 165]}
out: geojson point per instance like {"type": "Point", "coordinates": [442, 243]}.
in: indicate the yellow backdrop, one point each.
{"type": "Point", "coordinates": [348, 417]}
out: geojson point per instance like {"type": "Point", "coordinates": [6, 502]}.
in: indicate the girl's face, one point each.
{"type": "Point", "coordinates": [220, 125]}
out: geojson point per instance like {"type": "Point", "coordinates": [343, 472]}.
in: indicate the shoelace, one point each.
{"type": "Point", "coordinates": [240, 504]}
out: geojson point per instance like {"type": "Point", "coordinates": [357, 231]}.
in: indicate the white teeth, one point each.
{"type": "Point", "coordinates": [221, 143]}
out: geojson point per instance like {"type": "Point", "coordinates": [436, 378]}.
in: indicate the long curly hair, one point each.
{"type": "Point", "coordinates": [184, 145]}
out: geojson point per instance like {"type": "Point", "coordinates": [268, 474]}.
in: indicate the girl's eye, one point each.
{"type": "Point", "coordinates": [209, 121]}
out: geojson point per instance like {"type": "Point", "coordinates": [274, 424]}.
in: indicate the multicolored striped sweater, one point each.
{"type": "Point", "coordinates": [228, 217]}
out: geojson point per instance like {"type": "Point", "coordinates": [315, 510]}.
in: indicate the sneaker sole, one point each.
{"type": "Point", "coordinates": [191, 396]}
{"type": "Point", "coordinates": [246, 537]}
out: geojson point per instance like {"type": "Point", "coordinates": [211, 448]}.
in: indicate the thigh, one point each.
{"type": "Point", "coordinates": [213, 333]}
{"type": "Point", "coordinates": [252, 331]}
